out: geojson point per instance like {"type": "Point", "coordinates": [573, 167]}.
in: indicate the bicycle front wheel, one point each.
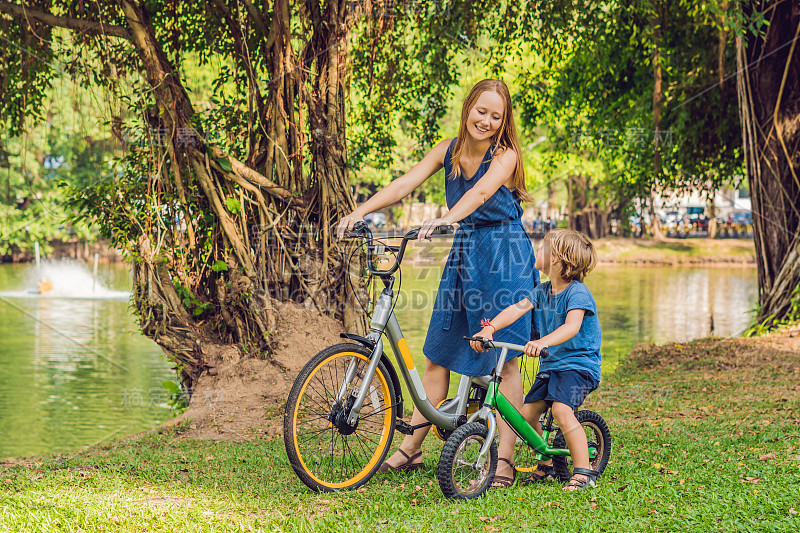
{"type": "Point", "coordinates": [461, 476]}
{"type": "Point", "coordinates": [325, 451]}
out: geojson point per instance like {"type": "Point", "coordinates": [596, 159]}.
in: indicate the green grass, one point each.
{"type": "Point", "coordinates": [675, 251]}
{"type": "Point", "coordinates": [636, 251]}
{"type": "Point", "coordinates": [705, 438]}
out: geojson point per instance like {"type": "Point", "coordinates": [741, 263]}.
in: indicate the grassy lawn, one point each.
{"type": "Point", "coordinates": [636, 251]}
{"type": "Point", "coordinates": [706, 437]}
{"type": "Point", "coordinates": [675, 251]}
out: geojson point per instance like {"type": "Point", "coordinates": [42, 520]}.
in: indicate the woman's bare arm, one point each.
{"type": "Point", "coordinates": [399, 188]}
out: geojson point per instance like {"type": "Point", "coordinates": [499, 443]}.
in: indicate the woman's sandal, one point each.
{"type": "Point", "coordinates": [408, 466]}
{"type": "Point", "coordinates": [547, 473]}
{"type": "Point", "coordinates": [505, 481]}
{"type": "Point", "coordinates": [577, 484]}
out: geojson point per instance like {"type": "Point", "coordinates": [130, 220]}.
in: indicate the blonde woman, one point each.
{"type": "Point", "coordinates": [490, 265]}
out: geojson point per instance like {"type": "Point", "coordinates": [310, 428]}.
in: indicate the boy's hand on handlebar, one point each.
{"type": "Point", "coordinates": [485, 333]}
{"type": "Point", "coordinates": [347, 223]}
{"type": "Point", "coordinates": [534, 348]}
{"type": "Point", "coordinates": [428, 226]}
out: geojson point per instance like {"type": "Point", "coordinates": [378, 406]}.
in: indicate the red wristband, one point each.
{"type": "Point", "coordinates": [488, 323]}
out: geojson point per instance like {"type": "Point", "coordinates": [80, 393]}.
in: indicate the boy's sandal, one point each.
{"type": "Point", "coordinates": [505, 481]}
{"type": "Point", "coordinates": [542, 474]}
{"type": "Point", "coordinates": [408, 466]}
{"type": "Point", "coordinates": [578, 484]}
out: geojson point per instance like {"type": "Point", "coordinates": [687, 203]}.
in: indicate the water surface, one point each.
{"type": "Point", "coordinates": [635, 304]}
{"type": "Point", "coordinates": [75, 370]}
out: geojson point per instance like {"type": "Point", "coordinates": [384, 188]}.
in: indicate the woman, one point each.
{"type": "Point", "coordinates": [490, 264]}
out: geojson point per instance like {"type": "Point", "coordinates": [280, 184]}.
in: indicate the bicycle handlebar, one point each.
{"type": "Point", "coordinates": [486, 343]}
{"type": "Point", "coordinates": [360, 229]}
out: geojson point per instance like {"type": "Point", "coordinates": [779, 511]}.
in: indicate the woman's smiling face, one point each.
{"type": "Point", "coordinates": [486, 116]}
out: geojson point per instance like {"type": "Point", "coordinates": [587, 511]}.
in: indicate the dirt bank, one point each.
{"type": "Point", "coordinates": [245, 398]}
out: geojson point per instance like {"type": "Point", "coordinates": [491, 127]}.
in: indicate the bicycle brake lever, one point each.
{"type": "Point", "coordinates": [358, 230]}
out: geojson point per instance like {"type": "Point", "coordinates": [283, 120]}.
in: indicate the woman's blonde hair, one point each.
{"type": "Point", "coordinates": [575, 251]}
{"type": "Point", "coordinates": [506, 136]}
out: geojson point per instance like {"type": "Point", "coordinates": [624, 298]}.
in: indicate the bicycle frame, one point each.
{"type": "Point", "coordinates": [496, 400]}
{"type": "Point", "coordinates": [449, 415]}
{"type": "Point", "coordinates": [384, 320]}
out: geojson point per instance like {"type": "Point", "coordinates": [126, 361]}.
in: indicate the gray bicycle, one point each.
{"type": "Point", "coordinates": [346, 403]}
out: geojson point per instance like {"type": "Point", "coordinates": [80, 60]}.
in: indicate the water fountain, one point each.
{"type": "Point", "coordinates": [64, 279]}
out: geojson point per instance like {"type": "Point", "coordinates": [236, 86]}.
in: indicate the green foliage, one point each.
{"type": "Point", "coordinates": [233, 205]}
{"type": "Point", "coordinates": [593, 92]}
{"type": "Point", "coordinates": [769, 323]}
{"type": "Point", "coordinates": [409, 82]}
{"type": "Point", "coordinates": [219, 266]}
{"type": "Point", "coordinates": [177, 401]}
{"type": "Point", "coordinates": [189, 300]}
{"type": "Point", "coordinates": [68, 148]}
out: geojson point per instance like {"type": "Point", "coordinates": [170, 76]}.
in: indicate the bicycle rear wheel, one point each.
{"type": "Point", "coordinates": [325, 451]}
{"type": "Point", "coordinates": [598, 437]}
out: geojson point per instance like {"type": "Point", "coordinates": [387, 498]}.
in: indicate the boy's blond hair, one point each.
{"type": "Point", "coordinates": [575, 251]}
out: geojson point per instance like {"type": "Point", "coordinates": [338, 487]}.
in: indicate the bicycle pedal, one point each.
{"type": "Point", "coordinates": [403, 427]}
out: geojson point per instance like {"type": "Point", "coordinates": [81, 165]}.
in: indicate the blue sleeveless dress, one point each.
{"type": "Point", "coordinates": [490, 267]}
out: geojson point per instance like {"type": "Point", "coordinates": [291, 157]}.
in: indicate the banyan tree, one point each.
{"type": "Point", "coordinates": [231, 115]}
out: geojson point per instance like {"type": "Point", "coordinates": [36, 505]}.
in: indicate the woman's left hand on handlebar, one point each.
{"type": "Point", "coordinates": [534, 348]}
{"type": "Point", "coordinates": [429, 225]}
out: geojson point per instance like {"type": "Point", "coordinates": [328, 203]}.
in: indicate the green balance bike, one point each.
{"type": "Point", "coordinates": [469, 458]}
{"type": "Point", "coordinates": [346, 402]}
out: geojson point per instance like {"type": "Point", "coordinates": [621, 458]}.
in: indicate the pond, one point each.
{"type": "Point", "coordinates": [75, 370]}
{"type": "Point", "coordinates": [635, 304]}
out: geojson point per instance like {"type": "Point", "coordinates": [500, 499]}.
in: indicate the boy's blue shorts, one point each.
{"type": "Point", "coordinates": [569, 387]}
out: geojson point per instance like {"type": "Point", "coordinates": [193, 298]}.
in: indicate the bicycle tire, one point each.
{"type": "Point", "coordinates": [326, 453]}
{"type": "Point", "coordinates": [599, 437]}
{"type": "Point", "coordinates": [457, 478]}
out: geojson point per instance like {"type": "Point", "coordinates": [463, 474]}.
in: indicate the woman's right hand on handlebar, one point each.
{"type": "Point", "coordinates": [347, 223]}
{"type": "Point", "coordinates": [485, 333]}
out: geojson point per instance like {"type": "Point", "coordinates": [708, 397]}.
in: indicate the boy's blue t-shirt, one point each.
{"type": "Point", "coordinates": [581, 352]}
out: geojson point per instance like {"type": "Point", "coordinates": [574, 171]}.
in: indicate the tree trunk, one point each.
{"type": "Point", "coordinates": [711, 207]}
{"type": "Point", "coordinates": [655, 226]}
{"type": "Point", "coordinates": [768, 84]}
{"type": "Point", "coordinates": [586, 213]}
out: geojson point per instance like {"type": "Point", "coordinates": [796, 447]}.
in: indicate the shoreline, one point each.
{"type": "Point", "coordinates": [623, 251]}
{"type": "Point", "coordinates": [710, 262]}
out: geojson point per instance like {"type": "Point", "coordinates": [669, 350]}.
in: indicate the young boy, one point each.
{"type": "Point", "coordinates": [567, 319]}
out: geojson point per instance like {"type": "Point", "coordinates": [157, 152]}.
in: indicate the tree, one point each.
{"type": "Point", "coordinates": [230, 186]}
{"type": "Point", "coordinates": [624, 83]}
{"type": "Point", "coordinates": [768, 82]}
{"type": "Point", "coordinates": [222, 211]}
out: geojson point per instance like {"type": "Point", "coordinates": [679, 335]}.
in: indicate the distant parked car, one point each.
{"type": "Point", "coordinates": [376, 220]}
{"type": "Point", "coordinates": [744, 219]}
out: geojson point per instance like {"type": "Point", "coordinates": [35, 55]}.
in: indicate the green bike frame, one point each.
{"type": "Point", "coordinates": [496, 401]}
